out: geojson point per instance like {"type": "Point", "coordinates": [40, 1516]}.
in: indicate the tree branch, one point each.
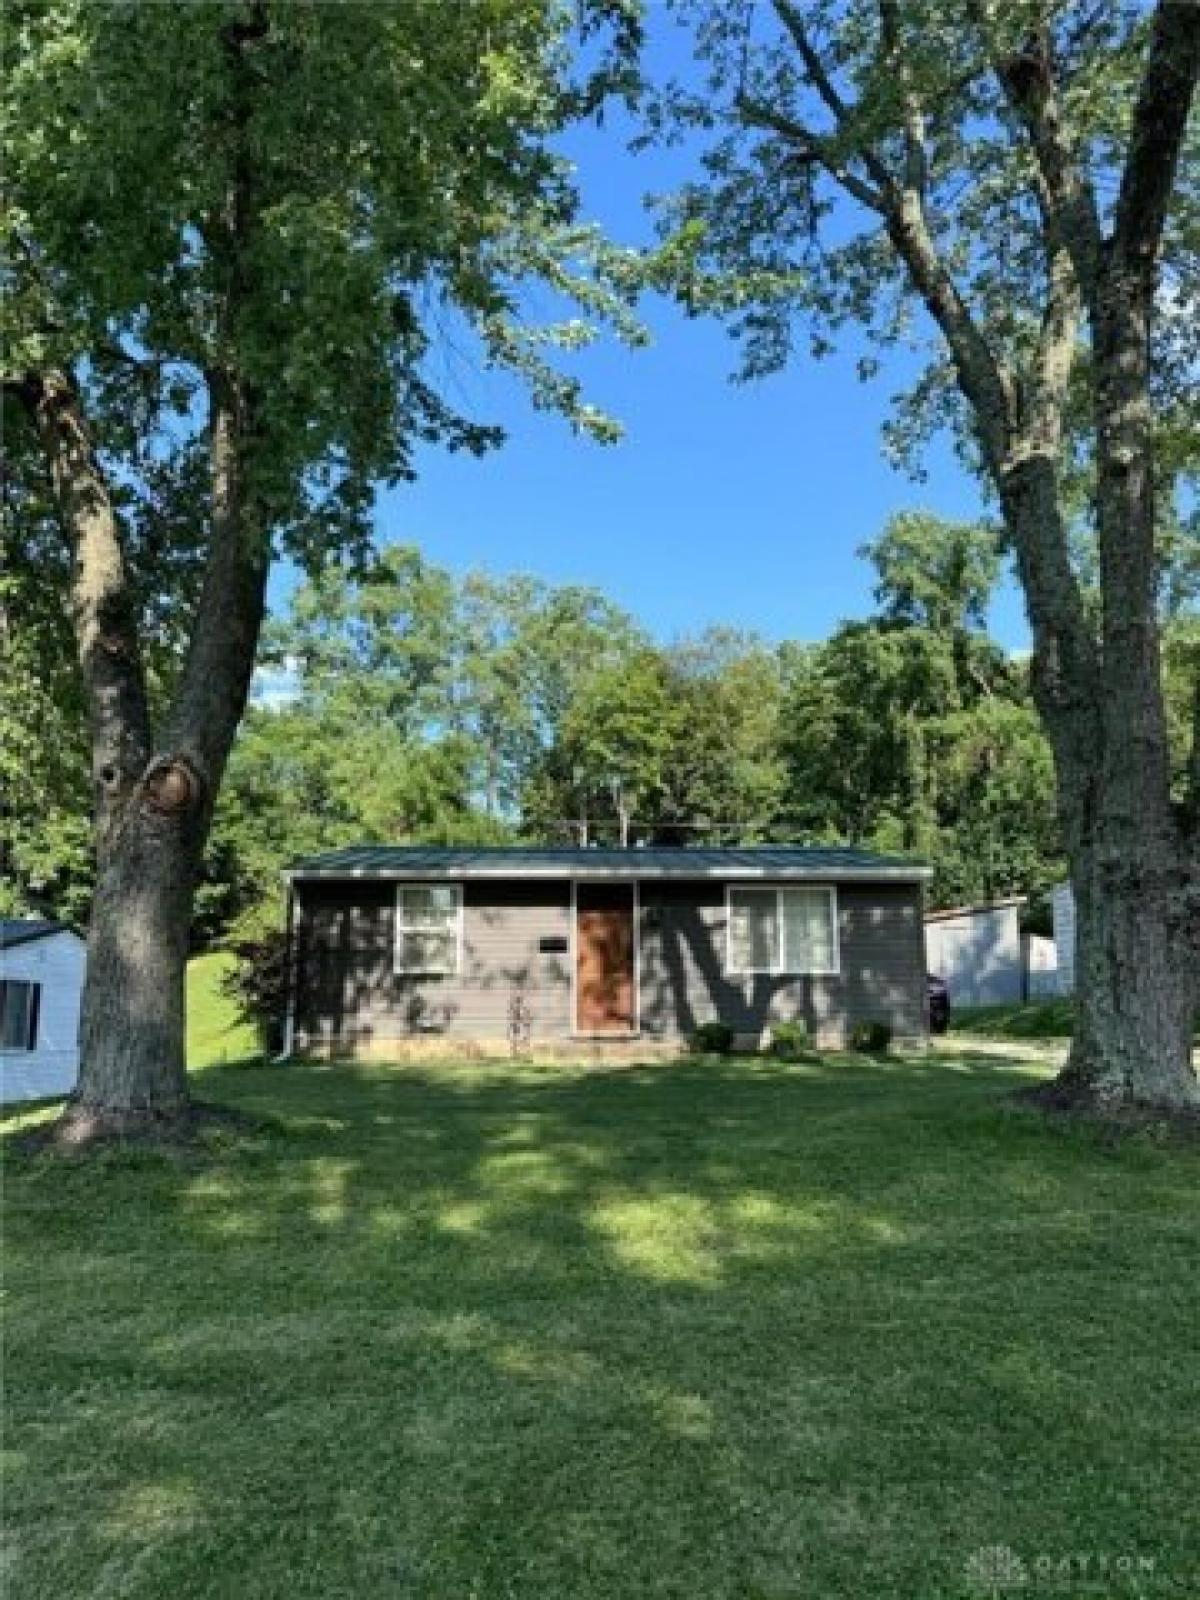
{"type": "Point", "coordinates": [981, 373]}
{"type": "Point", "coordinates": [813, 65]}
{"type": "Point", "coordinates": [1159, 123]}
{"type": "Point", "coordinates": [102, 606]}
{"type": "Point", "coordinates": [915, 158]}
{"type": "Point", "coordinates": [812, 147]}
{"type": "Point", "coordinates": [1054, 359]}
{"type": "Point", "coordinates": [1021, 452]}
{"type": "Point", "coordinates": [817, 75]}
{"type": "Point", "coordinates": [1021, 434]}
{"type": "Point", "coordinates": [215, 681]}
{"type": "Point", "coordinates": [1065, 193]}
{"type": "Point", "coordinates": [985, 380]}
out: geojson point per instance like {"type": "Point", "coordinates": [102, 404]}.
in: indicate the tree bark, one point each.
{"type": "Point", "coordinates": [133, 1069]}
{"type": "Point", "coordinates": [1135, 877]}
{"type": "Point", "coordinates": [133, 1028]}
{"type": "Point", "coordinates": [1135, 957]}
{"type": "Point", "coordinates": [102, 608]}
{"type": "Point", "coordinates": [132, 1019]}
{"type": "Point", "coordinates": [1133, 862]}
{"type": "Point", "coordinates": [1135, 985]}
{"type": "Point", "coordinates": [1133, 855]}
{"type": "Point", "coordinates": [155, 797]}
{"type": "Point", "coordinates": [152, 811]}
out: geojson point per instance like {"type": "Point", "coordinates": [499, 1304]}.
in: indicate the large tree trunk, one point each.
{"type": "Point", "coordinates": [1133, 870]}
{"type": "Point", "coordinates": [132, 1027]}
{"type": "Point", "coordinates": [1135, 987]}
{"type": "Point", "coordinates": [153, 812]}
{"type": "Point", "coordinates": [1099, 692]}
{"type": "Point", "coordinates": [1102, 708]}
{"type": "Point", "coordinates": [1132, 853]}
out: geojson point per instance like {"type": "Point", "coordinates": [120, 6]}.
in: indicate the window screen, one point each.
{"type": "Point", "coordinates": [809, 937]}
{"type": "Point", "coordinates": [783, 930]}
{"type": "Point", "coordinates": [427, 927]}
{"type": "Point", "coordinates": [753, 930]}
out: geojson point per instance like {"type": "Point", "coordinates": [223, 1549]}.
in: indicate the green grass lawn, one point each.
{"type": "Point", "coordinates": [701, 1330]}
{"type": "Point", "coordinates": [217, 1033]}
{"type": "Point", "coordinates": [1032, 1019]}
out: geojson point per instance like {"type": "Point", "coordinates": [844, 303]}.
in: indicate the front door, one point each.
{"type": "Point", "coordinates": [605, 980]}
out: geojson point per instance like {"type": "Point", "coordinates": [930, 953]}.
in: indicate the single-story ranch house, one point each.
{"type": "Point", "coordinates": [391, 944]}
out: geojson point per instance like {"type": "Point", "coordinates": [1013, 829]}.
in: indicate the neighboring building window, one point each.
{"type": "Point", "coordinates": [782, 930]}
{"type": "Point", "coordinates": [428, 927]}
{"type": "Point", "coordinates": [20, 1004]}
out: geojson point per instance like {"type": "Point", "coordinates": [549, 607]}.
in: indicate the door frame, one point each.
{"type": "Point", "coordinates": [589, 1033]}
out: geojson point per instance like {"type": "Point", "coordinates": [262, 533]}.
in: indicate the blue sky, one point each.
{"type": "Point", "coordinates": [731, 503]}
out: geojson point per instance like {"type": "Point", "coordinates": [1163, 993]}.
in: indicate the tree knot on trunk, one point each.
{"type": "Point", "coordinates": [171, 786]}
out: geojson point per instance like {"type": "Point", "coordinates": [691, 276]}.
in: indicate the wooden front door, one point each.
{"type": "Point", "coordinates": [605, 980]}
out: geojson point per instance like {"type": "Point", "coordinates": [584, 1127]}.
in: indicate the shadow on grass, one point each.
{"type": "Point", "coordinates": [709, 1327]}
{"type": "Point", "coordinates": [493, 1159]}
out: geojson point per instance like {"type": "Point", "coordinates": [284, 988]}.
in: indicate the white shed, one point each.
{"type": "Point", "coordinates": [979, 953]}
{"type": "Point", "coordinates": [41, 981]}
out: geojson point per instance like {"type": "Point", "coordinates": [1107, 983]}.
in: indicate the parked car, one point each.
{"type": "Point", "coordinates": [937, 993]}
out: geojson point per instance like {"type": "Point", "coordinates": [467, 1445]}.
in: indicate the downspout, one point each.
{"type": "Point", "coordinates": [289, 1019]}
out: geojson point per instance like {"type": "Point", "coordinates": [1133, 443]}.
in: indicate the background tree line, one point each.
{"type": "Point", "coordinates": [403, 704]}
{"type": "Point", "coordinates": [223, 304]}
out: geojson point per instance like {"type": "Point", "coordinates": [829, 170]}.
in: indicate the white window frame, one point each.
{"type": "Point", "coordinates": [780, 969]}
{"type": "Point", "coordinates": [400, 928]}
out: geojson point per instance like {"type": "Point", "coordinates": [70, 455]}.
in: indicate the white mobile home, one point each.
{"type": "Point", "coordinates": [41, 981]}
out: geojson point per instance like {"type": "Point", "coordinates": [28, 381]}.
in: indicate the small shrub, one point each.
{"type": "Point", "coordinates": [872, 1037]}
{"type": "Point", "coordinates": [258, 983]}
{"type": "Point", "coordinates": [790, 1040]}
{"type": "Point", "coordinates": [712, 1039]}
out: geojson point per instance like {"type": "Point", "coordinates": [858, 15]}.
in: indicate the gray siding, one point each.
{"type": "Point", "coordinates": [684, 982]}
{"type": "Point", "coordinates": [347, 991]}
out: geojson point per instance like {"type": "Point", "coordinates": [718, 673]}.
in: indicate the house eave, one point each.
{"type": "Point", "coordinates": [609, 873]}
{"type": "Point", "coordinates": [18, 941]}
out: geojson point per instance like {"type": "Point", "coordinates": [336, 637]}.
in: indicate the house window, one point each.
{"type": "Point", "coordinates": [754, 933]}
{"type": "Point", "coordinates": [782, 931]}
{"type": "Point", "coordinates": [428, 928]}
{"type": "Point", "coordinates": [20, 1004]}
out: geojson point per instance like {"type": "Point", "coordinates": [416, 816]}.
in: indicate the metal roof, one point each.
{"type": "Point", "coordinates": [820, 862]}
{"type": "Point", "coordinates": [949, 913]}
{"type": "Point", "coordinates": [21, 930]}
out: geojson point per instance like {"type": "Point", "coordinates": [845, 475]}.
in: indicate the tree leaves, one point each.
{"type": "Point", "coordinates": [403, 179]}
